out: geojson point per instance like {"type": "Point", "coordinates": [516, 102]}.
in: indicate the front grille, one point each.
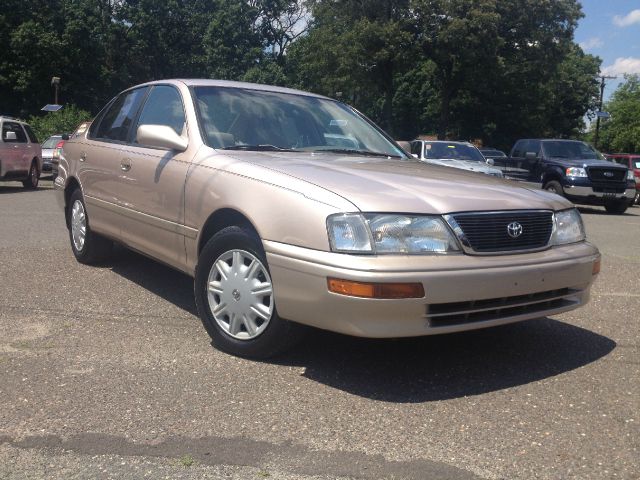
{"type": "Point", "coordinates": [449, 314]}
{"type": "Point", "coordinates": [488, 232]}
{"type": "Point", "coordinates": [604, 174]}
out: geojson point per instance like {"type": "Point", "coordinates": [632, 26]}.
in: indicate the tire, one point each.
{"type": "Point", "coordinates": [88, 247]}
{"type": "Point", "coordinates": [232, 267]}
{"type": "Point", "coordinates": [636, 199]}
{"type": "Point", "coordinates": [617, 207]}
{"type": "Point", "coordinates": [554, 186]}
{"type": "Point", "coordinates": [32, 181]}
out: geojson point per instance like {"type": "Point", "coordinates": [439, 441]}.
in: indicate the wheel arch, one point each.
{"type": "Point", "coordinates": [550, 175]}
{"type": "Point", "coordinates": [225, 217]}
{"type": "Point", "coordinates": [72, 185]}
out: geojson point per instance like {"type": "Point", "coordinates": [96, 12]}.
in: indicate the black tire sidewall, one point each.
{"type": "Point", "coordinates": [278, 333]}
{"type": "Point", "coordinates": [80, 255]}
{"type": "Point", "coordinates": [29, 182]}
{"type": "Point", "coordinates": [557, 188]}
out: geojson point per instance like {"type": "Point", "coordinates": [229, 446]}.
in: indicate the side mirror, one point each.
{"type": "Point", "coordinates": [65, 136]}
{"type": "Point", "coordinates": [530, 155]}
{"type": "Point", "coordinates": [490, 161]}
{"type": "Point", "coordinates": [10, 136]}
{"type": "Point", "coordinates": [161, 136]}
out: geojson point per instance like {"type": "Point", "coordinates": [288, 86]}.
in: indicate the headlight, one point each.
{"type": "Point", "coordinates": [630, 175]}
{"type": "Point", "coordinates": [568, 227]}
{"type": "Point", "coordinates": [576, 172]}
{"type": "Point", "coordinates": [389, 233]}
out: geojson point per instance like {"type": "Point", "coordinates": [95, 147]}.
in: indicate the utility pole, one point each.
{"type": "Point", "coordinates": [602, 81]}
{"type": "Point", "coordinates": [55, 83]}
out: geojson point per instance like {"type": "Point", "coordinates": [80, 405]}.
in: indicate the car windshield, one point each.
{"type": "Point", "coordinates": [637, 163]}
{"type": "Point", "coordinates": [246, 119]}
{"type": "Point", "coordinates": [452, 151]}
{"type": "Point", "coordinates": [571, 149]}
{"type": "Point", "coordinates": [51, 142]}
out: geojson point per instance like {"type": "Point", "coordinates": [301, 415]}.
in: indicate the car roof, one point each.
{"type": "Point", "coordinates": [204, 82]}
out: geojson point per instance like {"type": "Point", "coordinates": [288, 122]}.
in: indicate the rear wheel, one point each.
{"type": "Point", "coordinates": [235, 300]}
{"type": "Point", "coordinates": [616, 207]}
{"type": "Point", "coordinates": [554, 186]}
{"type": "Point", "coordinates": [636, 199]}
{"type": "Point", "coordinates": [34, 177]}
{"type": "Point", "coordinates": [88, 247]}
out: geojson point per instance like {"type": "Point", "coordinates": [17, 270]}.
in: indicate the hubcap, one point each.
{"type": "Point", "coordinates": [78, 225]}
{"type": "Point", "coordinates": [240, 294]}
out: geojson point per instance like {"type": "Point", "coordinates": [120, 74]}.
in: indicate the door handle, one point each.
{"type": "Point", "coordinates": [83, 156]}
{"type": "Point", "coordinates": [125, 164]}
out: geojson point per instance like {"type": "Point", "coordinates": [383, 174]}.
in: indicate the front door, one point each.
{"type": "Point", "coordinates": [151, 182]}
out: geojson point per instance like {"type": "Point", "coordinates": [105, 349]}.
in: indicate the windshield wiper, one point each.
{"type": "Point", "coordinates": [353, 151]}
{"type": "Point", "coordinates": [259, 148]}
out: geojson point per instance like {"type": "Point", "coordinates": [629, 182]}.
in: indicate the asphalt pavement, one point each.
{"type": "Point", "coordinates": [107, 372]}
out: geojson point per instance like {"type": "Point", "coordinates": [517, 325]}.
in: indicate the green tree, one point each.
{"type": "Point", "coordinates": [63, 121]}
{"type": "Point", "coordinates": [621, 133]}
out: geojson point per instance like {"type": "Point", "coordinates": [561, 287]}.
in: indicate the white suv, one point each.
{"type": "Point", "coordinates": [20, 153]}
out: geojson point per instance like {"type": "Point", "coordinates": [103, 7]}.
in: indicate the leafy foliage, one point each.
{"type": "Point", "coordinates": [495, 70]}
{"type": "Point", "coordinates": [621, 133]}
{"type": "Point", "coordinates": [63, 121]}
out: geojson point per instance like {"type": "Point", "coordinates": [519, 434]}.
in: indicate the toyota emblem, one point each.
{"type": "Point", "coordinates": [514, 229]}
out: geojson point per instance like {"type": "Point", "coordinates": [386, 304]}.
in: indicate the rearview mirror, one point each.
{"type": "Point", "coordinates": [161, 136]}
{"type": "Point", "coordinates": [490, 161]}
{"type": "Point", "coordinates": [10, 136]}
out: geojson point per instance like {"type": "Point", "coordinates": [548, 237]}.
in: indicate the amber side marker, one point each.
{"type": "Point", "coordinates": [375, 290]}
{"type": "Point", "coordinates": [596, 267]}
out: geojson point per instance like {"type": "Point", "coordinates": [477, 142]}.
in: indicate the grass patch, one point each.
{"type": "Point", "coordinates": [186, 461]}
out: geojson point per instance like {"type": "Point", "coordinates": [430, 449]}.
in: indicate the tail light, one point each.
{"type": "Point", "coordinates": [58, 150]}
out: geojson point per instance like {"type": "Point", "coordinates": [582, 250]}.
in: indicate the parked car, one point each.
{"type": "Point", "coordinates": [49, 147]}
{"type": "Point", "coordinates": [237, 185]}
{"type": "Point", "coordinates": [20, 153]}
{"type": "Point", "coordinates": [492, 153]}
{"type": "Point", "coordinates": [575, 170]}
{"type": "Point", "coordinates": [462, 155]}
{"type": "Point", "coordinates": [632, 162]}
{"type": "Point", "coordinates": [80, 130]}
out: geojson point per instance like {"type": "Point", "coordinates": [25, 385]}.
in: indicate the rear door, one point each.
{"type": "Point", "coordinates": [16, 149]}
{"type": "Point", "coordinates": [97, 158]}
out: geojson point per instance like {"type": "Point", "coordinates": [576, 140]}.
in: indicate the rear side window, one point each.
{"type": "Point", "coordinates": [117, 120]}
{"type": "Point", "coordinates": [163, 107]}
{"type": "Point", "coordinates": [30, 134]}
{"type": "Point", "coordinates": [17, 129]}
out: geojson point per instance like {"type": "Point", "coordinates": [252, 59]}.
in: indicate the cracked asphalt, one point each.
{"type": "Point", "coordinates": [107, 372]}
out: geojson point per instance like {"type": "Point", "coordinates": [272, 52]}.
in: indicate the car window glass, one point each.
{"type": "Point", "coordinates": [237, 118]}
{"type": "Point", "coordinates": [30, 134]}
{"type": "Point", "coordinates": [517, 150]}
{"type": "Point", "coordinates": [452, 151]}
{"type": "Point", "coordinates": [117, 121]}
{"type": "Point", "coordinates": [415, 147]}
{"type": "Point", "coordinates": [163, 107]}
{"type": "Point", "coordinates": [51, 142]}
{"type": "Point", "coordinates": [17, 129]}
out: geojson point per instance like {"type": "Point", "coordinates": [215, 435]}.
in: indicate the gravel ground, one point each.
{"type": "Point", "coordinates": [107, 372]}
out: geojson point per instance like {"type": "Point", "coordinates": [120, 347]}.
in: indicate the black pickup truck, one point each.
{"type": "Point", "coordinates": [573, 169]}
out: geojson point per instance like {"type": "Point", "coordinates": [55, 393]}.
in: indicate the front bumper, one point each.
{"type": "Point", "coordinates": [462, 292]}
{"type": "Point", "coordinates": [589, 195]}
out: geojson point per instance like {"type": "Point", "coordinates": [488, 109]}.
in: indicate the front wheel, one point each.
{"type": "Point", "coordinates": [32, 181]}
{"type": "Point", "coordinates": [554, 186]}
{"type": "Point", "coordinates": [235, 300]}
{"type": "Point", "coordinates": [617, 207]}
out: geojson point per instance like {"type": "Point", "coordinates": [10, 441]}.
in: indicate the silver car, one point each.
{"type": "Point", "coordinates": [462, 155]}
{"type": "Point", "coordinates": [289, 208]}
{"type": "Point", "coordinates": [48, 150]}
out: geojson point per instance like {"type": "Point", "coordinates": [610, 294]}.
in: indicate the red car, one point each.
{"type": "Point", "coordinates": [632, 162]}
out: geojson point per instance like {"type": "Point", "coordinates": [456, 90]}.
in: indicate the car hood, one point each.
{"type": "Point", "coordinates": [578, 162]}
{"type": "Point", "coordinates": [463, 164]}
{"type": "Point", "coordinates": [376, 184]}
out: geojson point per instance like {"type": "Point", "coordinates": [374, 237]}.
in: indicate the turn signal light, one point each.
{"type": "Point", "coordinates": [596, 267]}
{"type": "Point", "coordinates": [375, 290]}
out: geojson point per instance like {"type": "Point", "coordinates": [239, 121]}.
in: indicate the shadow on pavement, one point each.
{"type": "Point", "coordinates": [410, 370]}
